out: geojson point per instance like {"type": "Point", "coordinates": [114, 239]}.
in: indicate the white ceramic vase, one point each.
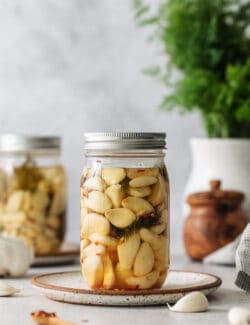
{"type": "Point", "coordinates": [224, 159]}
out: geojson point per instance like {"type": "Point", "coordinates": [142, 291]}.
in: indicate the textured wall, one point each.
{"type": "Point", "coordinates": [68, 67]}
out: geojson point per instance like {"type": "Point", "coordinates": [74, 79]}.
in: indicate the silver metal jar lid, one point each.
{"type": "Point", "coordinates": [125, 141]}
{"type": "Point", "coordinates": [24, 143]}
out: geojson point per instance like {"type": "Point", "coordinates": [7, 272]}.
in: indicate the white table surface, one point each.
{"type": "Point", "coordinates": [16, 310]}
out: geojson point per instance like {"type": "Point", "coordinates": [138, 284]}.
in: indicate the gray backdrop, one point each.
{"type": "Point", "coordinates": [67, 67]}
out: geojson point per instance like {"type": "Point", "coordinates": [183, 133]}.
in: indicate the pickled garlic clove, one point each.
{"type": "Point", "coordinates": [151, 238]}
{"type": "Point", "coordinates": [116, 194]}
{"type": "Point", "coordinates": [83, 244]}
{"type": "Point", "coordinates": [97, 201]}
{"type": "Point", "coordinates": [95, 223]}
{"type": "Point", "coordinates": [164, 216]}
{"type": "Point", "coordinates": [138, 205]}
{"type": "Point", "coordinates": [136, 172]}
{"type": "Point", "coordinates": [92, 270]}
{"type": "Point", "coordinates": [143, 282]}
{"type": "Point", "coordinates": [161, 279]}
{"type": "Point", "coordinates": [58, 202]}
{"type": "Point", "coordinates": [142, 181]}
{"type": "Point", "coordinates": [113, 176]}
{"type": "Point", "coordinates": [127, 251]}
{"type": "Point", "coordinates": [109, 274]}
{"type": "Point", "coordinates": [109, 242]}
{"type": "Point", "coordinates": [84, 212]}
{"type": "Point", "coordinates": [94, 249]}
{"type": "Point", "coordinates": [120, 217]}
{"type": "Point", "coordinates": [139, 191]}
{"type": "Point", "coordinates": [158, 192]}
{"type": "Point", "coordinates": [144, 260]}
{"type": "Point", "coordinates": [94, 183]}
{"type": "Point", "coordinates": [27, 201]}
{"type": "Point", "coordinates": [160, 207]}
{"type": "Point", "coordinates": [15, 201]}
{"type": "Point", "coordinates": [40, 200]}
{"type": "Point", "coordinates": [122, 275]}
{"type": "Point", "coordinates": [158, 229]}
{"type": "Point", "coordinates": [53, 222]}
{"type": "Point", "coordinates": [86, 172]}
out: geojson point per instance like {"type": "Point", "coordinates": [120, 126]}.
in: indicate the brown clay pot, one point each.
{"type": "Point", "coordinates": [216, 218]}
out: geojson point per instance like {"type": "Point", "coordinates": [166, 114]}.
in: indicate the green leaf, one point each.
{"type": "Point", "coordinates": [206, 41]}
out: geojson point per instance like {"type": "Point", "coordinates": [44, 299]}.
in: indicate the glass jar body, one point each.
{"type": "Point", "coordinates": [125, 221]}
{"type": "Point", "coordinates": [33, 199]}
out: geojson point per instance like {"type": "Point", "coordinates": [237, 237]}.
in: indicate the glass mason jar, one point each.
{"type": "Point", "coordinates": [32, 191]}
{"type": "Point", "coordinates": [124, 211]}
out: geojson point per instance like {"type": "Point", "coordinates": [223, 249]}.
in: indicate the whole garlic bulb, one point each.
{"type": "Point", "coordinates": [239, 316]}
{"type": "Point", "coordinates": [15, 256]}
{"type": "Point", "coordinates": [193, 302]}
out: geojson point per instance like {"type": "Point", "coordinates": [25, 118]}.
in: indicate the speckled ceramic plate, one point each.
{"type": "Point", "coordinates": [68, 253]}
{"type": "Point", "coordinates": [70, 287]}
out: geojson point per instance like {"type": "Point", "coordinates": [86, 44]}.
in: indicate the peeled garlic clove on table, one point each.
{"type": "Point", "coordinates": [158, 192]}
{"type": "Point", "coordinates": [193, 302]}
{"type": "Point", "coordinates": [127, 251]}
{"type": "Point", "coordinates": [239, 316]}
{"type": "Point", "coordinates": [137, 172]}
{"type": "Point", "coordinates": [15, 256]}
{"type": "Point", "coordinates": [110, 242]}
{"type": "Point", "coordinates": [116, 194]}
{"type": "Point", "coordinates": [97, 201]}
{"type": "Point", "coordinates": [113, 175]}
{"type": "Point", "coordinates": [142, 181]}
{"type": "Point", "coordinates": [143, 282]}
{"type": "Point", "coordinates": [94, 183]}
{"type": "Point", "coordinates": [120, 217]}
{"type": "Point", "coordinates": [93, 223]}
{"type": "Point", "coordinates": [138, 205]}
{"type": "Point", "coordinates": [144, 260]}
{"type": "Point", "coordinates": [92, 269]}
{"type": "Point", "coordinates": [7, 290]}
{"type": "Point", "coordinates": [139, 191]}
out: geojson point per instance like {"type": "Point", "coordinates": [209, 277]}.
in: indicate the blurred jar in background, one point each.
{"type": "Point", "coordinates": [32, 191]}
{"type": "Point", "coordinates": [125, 211]}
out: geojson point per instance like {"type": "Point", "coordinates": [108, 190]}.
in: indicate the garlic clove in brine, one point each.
{"type": "Point", "coordinates": [7, 290]}
{"type": "Point", "coordinates": [239, 316]}
{"type": "Point", "coordinates": [191, 303]}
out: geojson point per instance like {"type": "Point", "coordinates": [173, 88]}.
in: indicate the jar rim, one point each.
{"type": "Point", "coordinates": [124, 140]}
{"type": "Point", "coordinates": [12, 143]}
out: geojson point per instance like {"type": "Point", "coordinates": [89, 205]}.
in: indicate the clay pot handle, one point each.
{"type": "Point", "coordinates": [215, 184]}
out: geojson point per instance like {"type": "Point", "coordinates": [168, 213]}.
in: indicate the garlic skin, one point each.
{"type": "Point", "coordinates": [191, 303]}
{"type": "Point", "coordinates": [7, 290]}
{"type": "Point", "coordinates": [239, 316]}
{"type": "Point", "coordinates": [15, 256]}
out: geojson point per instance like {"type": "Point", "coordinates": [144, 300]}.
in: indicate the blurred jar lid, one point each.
{"type": "Point", "coordinates": [216, 196]}
{"type": "Point", "coordinates": [14, 143]}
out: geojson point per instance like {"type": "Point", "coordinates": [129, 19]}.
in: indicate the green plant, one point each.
{"type": "Point", "coordinates": [208, 42]}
